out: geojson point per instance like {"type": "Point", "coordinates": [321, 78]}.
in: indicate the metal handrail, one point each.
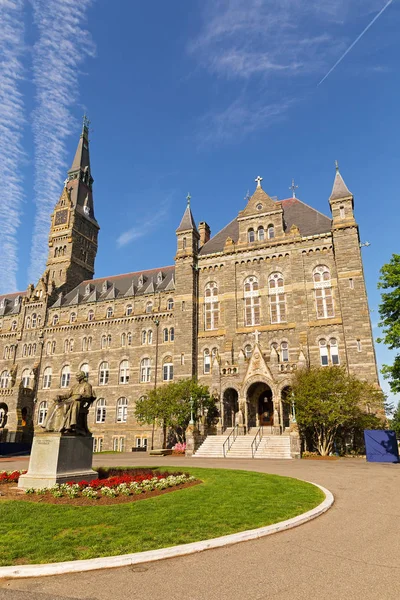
{"type": "Point", "coordinates": [234, 434]}
{"type": "Point", "coordinates": [256, 442]}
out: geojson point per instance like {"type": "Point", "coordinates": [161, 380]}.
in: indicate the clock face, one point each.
{"type": "Point", "coordinates": [61, 217]}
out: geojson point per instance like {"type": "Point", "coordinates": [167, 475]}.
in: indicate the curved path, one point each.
{"type": "Point", "coordinates": [351, 552]}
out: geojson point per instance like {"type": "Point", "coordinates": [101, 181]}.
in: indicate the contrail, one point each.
{"type": "Point", "coordinates": [62, 46]}
{"type": "Point", "coordinates": [355, 41]}
{"type": "Point", "coordinates": [12, 120]}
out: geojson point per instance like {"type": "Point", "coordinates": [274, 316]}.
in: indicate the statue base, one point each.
{"type": "Point", "coordinates": [58, 458]}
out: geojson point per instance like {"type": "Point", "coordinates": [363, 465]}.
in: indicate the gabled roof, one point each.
{"type": "Point", "coordinates": [121, 286]}
{"type": "Point", "coordinates": [295, 212]}
{"type": "Point", "coordinates": [187, 222]}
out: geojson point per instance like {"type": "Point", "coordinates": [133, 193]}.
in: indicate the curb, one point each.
{"type": "Point", "coordinates": [109, 562]}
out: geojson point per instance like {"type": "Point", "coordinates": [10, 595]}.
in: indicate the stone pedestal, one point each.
{"type": "Point", "coordinates": [58, 458]}
{"type": "Point", "coordinates": [193, 440]}
{"type": "Point", "coordinates": [295, 441]}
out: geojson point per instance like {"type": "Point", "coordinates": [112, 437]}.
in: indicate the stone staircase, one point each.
{"type": "Point", "coordinates": [271, 446]}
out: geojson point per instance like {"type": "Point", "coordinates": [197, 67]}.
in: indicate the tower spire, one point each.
{"type": "Point", "coordinates": [339, 189]}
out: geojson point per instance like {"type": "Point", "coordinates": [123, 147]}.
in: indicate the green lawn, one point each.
{"type": "Point", "coordinates": [226, 502]}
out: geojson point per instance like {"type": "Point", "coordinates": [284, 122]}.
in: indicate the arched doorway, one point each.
{"type": "Point", "coordinates": [286, 394]}
{"type": "Point", "coordinates": [260, 406]}
{"type": "Point", "coordinates": [230, 406]}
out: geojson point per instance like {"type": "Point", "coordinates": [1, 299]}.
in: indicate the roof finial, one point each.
{"type": "Point", "coordinates": [85, 123]}
{"type": "Point", "coordinates": [293, 187]}
{"type": "Point", "coordinates": [258, 180]}
{"type": "Point", "coordinates": [188, 198]}
{"type": "Point", "coordinates": [247, 196]}
{"type": "Point", "coordinates": [336, 166]}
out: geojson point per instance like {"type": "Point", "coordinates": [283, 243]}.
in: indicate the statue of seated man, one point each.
{"type": "Point", "coordinates": [68, 414]}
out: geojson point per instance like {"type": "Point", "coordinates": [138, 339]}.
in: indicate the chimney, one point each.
{"type": "Point", "coordinates": [205, 233]}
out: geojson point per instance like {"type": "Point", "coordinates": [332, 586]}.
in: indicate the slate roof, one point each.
{"type": "Point", "coordinates": [8, 306]}
{"type": "Point", "coordinates": [295, 212]}
{"type": "Point", "coordinates": [340, 189]}
{"type": "Point", "coordinates": [120, 286]}
{"type": "Point", "coordinates": [187, 221]}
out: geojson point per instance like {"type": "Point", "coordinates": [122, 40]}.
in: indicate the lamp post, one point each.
{"type": "Point", "coordinates": [156, 323]}
{"type": "Point", "coordinates": [191, 402]}
{"type": "Point", "coordinates": [293, 411]}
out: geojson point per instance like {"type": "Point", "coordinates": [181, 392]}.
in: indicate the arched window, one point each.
{"type": "Point", "coordinates": [53, 346]}
{"type": "Point", "coordinates": [85, 369]}
{"type": "Point", "coordinates": [33, 349]}
{"type": "Point", "coordinates": [48, 348]}
{"type": "Point", "coordinates": [109, 341]}
{"type": "Point", "coordinates": [248, 350]}
{"type": "Point", "coordinates": [165, 335]}
{"type": "Point", "coordinates": [28, 322]}
{"type": "Point", "coordinates": [39, 320]}
{"type": "Point", "coordinates": [42, 413]}
{"type": "Point", "coordinates": [323, 353]}
{"type": "Point", "coordinates": [34, 320]}
{"type": "Point", "coordinates": [66, 346]}
{"type": "Point", "coordinates": [323, 292]}
{"type": "Point", "coordinates": [110, 312]}
{"type": "Point", "coordinates": [5, 353]}
{"type": "Point", "coordinates": [145, 370]}
{"type": "Point", "coordinates": [211, 306]}
{"type": "Point", "coordinates": [71, 345]}
{"type": "Point", "coordinates": [284, 352]}
{"type": "Point", "coordinates": [13, 325]}
{"type": "Point", "coordinates": [184, 243]}
{"type": "Point", "coordinates": [4, 379]}
{"type": "Point", "coordinates": [29, 349]}
{"type": "Point", "coordinates": [168, 369]}
{"type": "Point", "coordinates": [251, 301]}
{"type": "Point", "coordinates": [128, 310]}
{"type": "Point", "coordinates": [55, 319]}
{"type": "Point", "coordinates": [84, 344]}
{"type": "Point", "coordinates": [101, 410]}
{"type": "Point", "coordinates": [47, 374]}
{"type": "Point", "coordinates": [89, 343]}
{"type": "Point", "coordinates": [65, 376]}
{"type": "Point", "coordinates": [171, 334]}
{"type": "Point", "coordinates": [150, 336]}
{"type": "Point", "coordinates": [25, 350]}
{"type": "Point", "coordinates": [342, 212]}
{"type": "Point", "coordinates": [170, 304]}
{"type": "Point", "coordinates": [104, 372]}
{"type": "Point", "coordinates": [144, 336]}
{"type": "Point", "coordinates": [122, 410]}
{"type": "Point", "coordinates": [72, 317]}
{"type": "Point", "coordinates": [25, 378]}
{"type": "Point", "coordinates": [250, 235]}
{"type": "Point", "coordinates": [103, 341]}
{"type": "Point", "coordinates": [261, 234]}
{"type": "Point", "coordinates": [129, 339]}
{"type": "Point", "coordinates": [334, 352]}
{"type": "Point", "coordinates": [206, 361]}
{"type": "Point", "coordinates": [271, 232]}
{"type": "Point", "coordinates": [123, 339]}
{"type": "Point", "coordinates": [149, 307]}
{"type": "Point", "coordinates": [90, 315]}
{"type": "Point", "coordinates": [277, 300]}
{"type": "Point", "coordinates": [124, 372]}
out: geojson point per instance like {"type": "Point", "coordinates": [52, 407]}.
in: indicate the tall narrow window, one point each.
{"type": "Point", "coordinates": [145, 370]}
{"type": "Point", "coordinates": [170, 304]}
{"type": "Point", "coordinates": [342, 213]}
{"type": "Point", "coordinates": [25, 378]}
{"type": "Point", "coordinates": [124, 372]}
{"type": "Point", "coordinates": [110, 312]}
{"type": "Point", "coordinates": [149, 307]}
{"type": "Point", "coordinates": [55, 319]}
{"type": "Point", "coordinates": [122, 410]}
{"type": "Point", "coordinates": [323, 292]}
{"type": "Point", "coordinates": [333, 347]}
{"type": "Point", "coordinates": [129, 310]}
{"type": "Point", "coordinates": [251, 236]}
{"type": "Point", "coordinates": [184, 243]}
{"type": "Point", "coordinates": [109, 341]}
{"type": "Point", "coordinates": [4, 379]}
{"type": "Point", "coordinates": [90, 315]}
{"type": "Point", "coordinates": [104, 373]}
{"type": "Point", "coordinates": [129, 339]}
{"type": "Point", "coordinates": [28, 322]}
{"type": "Point", "coordinates": [89, 343]}
{"type": "Point", "coordinates": [211, 306]}
{"type": "Point", "coordinates": [251, 302]}
{"type": "Point", "coordinates": [53, 346]}
{"type": "Point", "coordinates": [42, 413]}
{"type": "Point", "coordinates": [206, 361]}
{"type": "Point", "coordinates": [284, 352]}
{"type": "Point", "coordinates": [261, 234]}
{"type": "Point", "coordinates": [359, 348]}
{"type": "Point", "coordinates": [72, 317]}
{"type": "Point", "coordinates": [165, 335]}
{"type": "Point", "coordinates": [168, 370]}
{"type": "Point", "coordinates": [171, 334]}
{"type": "Point", "coordinates": [150, 336]}
{"type": "Point", "coordinates": [144, 337]}
{"type": "Point", "coordinates": [47, 374]}
{"type": "Point", "coordinates": [34, 320]}
{"type": "Point", "coordinates": [277, 300]}
{"type": "Point", "coordinates": [351, 283]}
{"type": "Point", "coordinates": [13, 325]}
{"type": "Point", "coordinates": [65, 376]}
{"type": "Point", "coordinates": [271, 232]}
{"type": "Point", "coordinates": [101, 410]}
{"type": "Point", "coordinates": [323, 353]}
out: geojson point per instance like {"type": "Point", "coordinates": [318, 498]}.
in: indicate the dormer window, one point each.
{"type": "Point", "coordinates": [159, 278]}
{"type": "Point", "coordinates": [3, 303]}
{"type": "Point", "coordinates": [17, 301]}
{"type": "Point", "coordinates": [105, 286]}
{"type": "Point", "coordinates": [250, 236]}
{"type": "Point", "coordinates": [140, 281]}
{"type": "Point", "coordinates": [88, 289]}
{"type": "Point", "coordinates": [271, 232]}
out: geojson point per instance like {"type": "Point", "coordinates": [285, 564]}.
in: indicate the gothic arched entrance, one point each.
{"type": "Point", "coordinates": [230, 406]}
{"type": "Point", "coordinates": [260, 406]}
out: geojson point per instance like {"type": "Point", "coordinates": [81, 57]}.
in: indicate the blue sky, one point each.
{"type": "Point", "coordinates": [198, 96]}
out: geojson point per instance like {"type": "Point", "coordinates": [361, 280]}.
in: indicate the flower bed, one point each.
{"type": "Point", "coordinates": [10, 476]}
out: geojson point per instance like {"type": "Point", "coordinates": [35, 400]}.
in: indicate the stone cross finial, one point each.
{"type": "Point", "coordinates": [258, 180]}
{"type": "Point", "coordinates": [247, 196]}
{"type": "Point", "coordinates": [293, 187]}
{"type": "Point", "coordinates": [336, 165]}
{"type": "Point", "coordinates": [188, 198]}
{"type": "Point", "coordinates": [66, 182]}
{"type": "Point", "coordinates": [257, 334]}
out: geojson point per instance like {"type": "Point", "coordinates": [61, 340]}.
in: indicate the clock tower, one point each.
{"type": "Point", "coordinates": [74, 229]}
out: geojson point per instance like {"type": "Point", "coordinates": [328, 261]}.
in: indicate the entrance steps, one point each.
{"type": "Point", "coordinates": [271, 446]}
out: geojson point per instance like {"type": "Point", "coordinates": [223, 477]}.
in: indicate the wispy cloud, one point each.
{"type": "Point", "coordinates": [11, 130]}
{"type": "Point", "coordinates": [272, 49]}
{"type": "Point", "coordinates": [144, 226]}
{"type": "Point", "coordinates": [62, 46]}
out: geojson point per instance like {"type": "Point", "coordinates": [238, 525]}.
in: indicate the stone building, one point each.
{"type": "Point", "coordinates": [280, 287]}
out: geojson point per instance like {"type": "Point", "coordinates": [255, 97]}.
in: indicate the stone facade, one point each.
{"type": "Point", "coordinates": [280, 287]}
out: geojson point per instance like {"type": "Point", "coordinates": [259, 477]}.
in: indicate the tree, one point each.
{"type": "Point", "coordinates": [169, 406]}
{"type": "Point", "coordinates": [389, 311]}
{"type": "Point", "coordinates": [395, 421]}
{"type": "Point", "coordinates": [330, 402]}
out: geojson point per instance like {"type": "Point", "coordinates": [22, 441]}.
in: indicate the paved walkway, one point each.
{"type": "Point", "coordinates": [350, 553]}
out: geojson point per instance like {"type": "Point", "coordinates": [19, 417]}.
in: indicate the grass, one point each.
{"type": "Point", "coordinates": [226, 502]}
